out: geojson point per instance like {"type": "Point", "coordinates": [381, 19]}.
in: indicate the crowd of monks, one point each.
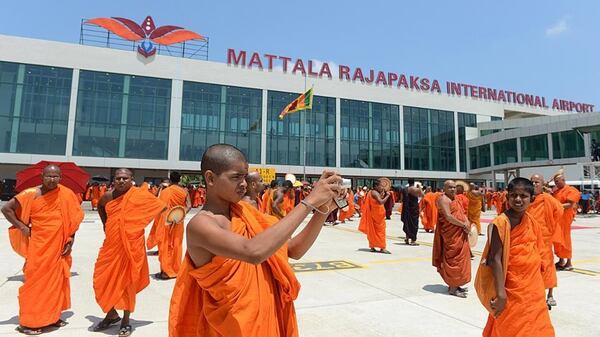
{"type": "Point", "coordinates": [235, 271]}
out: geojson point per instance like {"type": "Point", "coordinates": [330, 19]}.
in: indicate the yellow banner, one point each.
{"type": "Point", "coordinates": [267, 173]}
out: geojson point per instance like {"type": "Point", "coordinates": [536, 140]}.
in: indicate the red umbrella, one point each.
{"type": "Point", "coordinates": [73, 176]}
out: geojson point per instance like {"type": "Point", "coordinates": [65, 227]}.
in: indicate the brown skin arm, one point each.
{"type": "Point", "coordinates": [101, 208]}
{"type": "Point", "coordinates": [10, 213]}
{"type": "Point", "coordinates": [495, 262]}
{"type": "Point", "coordinates": [568, 204]}
{"type": "Point", "coordinates": [301, 243]}
{"type": "Point", "coordinates": [378, 197]}
{"type": "Point", "coordinates": [277, 202]}
{"type": "Point", "coordinates": [443, 205]}
{"type": "Point", "coordinates": [205, 235]}
{"type": "Point", "coordinates": [188, 202]}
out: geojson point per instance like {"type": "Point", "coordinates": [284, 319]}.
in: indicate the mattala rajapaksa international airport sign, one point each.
{"type": "Point", "coordinates": [311, 68]}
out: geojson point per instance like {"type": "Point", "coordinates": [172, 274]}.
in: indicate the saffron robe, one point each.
{"type": "Point", "coordinates": [474, 210]}
{"type": "Point", "coordinates": [121, 269]}
{"type": "Point", "coordinates": [54, 217]}
{"type": "Point", "coordinates": [372, 222]}
{"type": "Point", "coordinates": [171, 236]}
{"type": "Point", "coordinates": [344, 215]}
{"type": "Point", "coordinates": [563, 245]}
{"type": "Point", "coordinates": [546, 210]}
{"type": "Point", "coordinates": [429, 211]}
{"type": "Point", "coordinates": [232, 298]}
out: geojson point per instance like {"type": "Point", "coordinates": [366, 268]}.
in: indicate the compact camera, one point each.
{"type": "Point", "coordinates": [342, 202]}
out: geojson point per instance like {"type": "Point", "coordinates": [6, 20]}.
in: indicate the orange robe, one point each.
{"type": "Point", "coordinates": [344, 215]}
{"type": "Point", "coordinates": [372, 222]}
{"type": "Point", "coordinates": [288, 203]}
{"type": "Point", "coordinates": [500, 202]}
{"type": "Point", "coordinates": [451, 252]}
{"type": "Point", "coordinates": [265, 201]}
{"type": "Point", "coordinates": [196, 200]}
{"type": "Point", "coordinates": [526, 312]}
{"type": "Point", "coordinates": [202, 195]}
{"type": "Point", "coordinates": [474, 210]}
{"type": "Point", "coordinates": [232, 298]}
{"type": "Point", "coordinates": [429, 215]}
{"type": "Point", "coordinates": [464, 201]}
{"type": "Point", "coordinates": [121, 269]}
{"type": "Point", "coordinates": [545, 209]}
{"type": "Point", "coordinates": [54, 217]}
{"type": "Point", "coordinates": [88, 194]}
{"type": "Point", "coordinates": [563, 245]}
{"type": "Point", "coordinates": [95, 196]}
{"type": "Point", "coordinates": [102, 190]}
{"type": "Point", "coordinates": [154, 190]}
{"type": "Point", "coordinates": [488, 200]}
{"type": "Point", "coordinates": [171, 237]}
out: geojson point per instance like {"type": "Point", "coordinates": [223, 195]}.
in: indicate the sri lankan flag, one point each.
{"type": "Point", "coordinates": [303, 102]}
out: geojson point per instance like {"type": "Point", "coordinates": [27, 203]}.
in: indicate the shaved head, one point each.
{"type": "Point", "coordinates": [218, 158]}
{"type": "Point", "coordinates": [253, 177]}
{"type": "Point", "coordinates": [448, 183]}
{"type": "Point", "coordinates": [50, 177]}
{"type": "Point", "coordinates": [125, 171]}
{"type": "Point", "coordinates": [450, 188]}
{"type": "Point", "coordinates": [538, 183]}
{"type": "Point", "coordinates": [51, 168]}
{"type": "Point", "coordinates": [254, 183]}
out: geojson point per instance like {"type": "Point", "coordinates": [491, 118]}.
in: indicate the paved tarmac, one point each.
{"type": "Point", "coordinates": [346, 290]}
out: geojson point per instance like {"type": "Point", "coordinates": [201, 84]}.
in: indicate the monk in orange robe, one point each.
{"type": "Point", "coordinates": [254, 187]}
{"type": "Point", "coordinates": [429, 211]}
{"type": "Point", "coordinates": [171, 238]}
{"type": "Point", "coordinates": [95, 196]}
{"type": "Point", "coordinates": [461, 197]}
{"type": "Point", "coordinates": [157, 229]}
{"type": "Point", "coordinates": [545, 209]}
{"type": "Point", "coordinates": [451, 252]}
{"type": "Point", "coordinates": [103, 189]}
{"type": "Point", "coordinates": [509, 280]}
{"type": "Point", "coordinates": [280, 201]}
{"type": "Point", "coordinates": [44, 221]}
{"type": "Point", "coordinates": [121, 269]}
{"type": "Point", "coordinates": [488, 200]}
{"type": "Point", "coordinates": [349, 212]}
{"type": "Point", "coordinates": [372, 221]}
{"type": "Point", "coordinates": [265, 199]}
{"type": "Point", "coordinates": [88, 193]}
{"type": "Point", "coordinates": [196, 200]}
{"type": "Point", "coordinates": [500, 202]}
{"type": "Point", "coordinates": [475, 198]}
{"type": "Point", "coordinates": [569, 197]}
{"type": "Point", "coordinates": [360, 200]}
{"type": "Point", "coordinates": [236, 280]}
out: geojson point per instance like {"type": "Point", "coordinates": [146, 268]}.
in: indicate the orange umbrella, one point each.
{"type": "Point", "coordinates": [73, 176]}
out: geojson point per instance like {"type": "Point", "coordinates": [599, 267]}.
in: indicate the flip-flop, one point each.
{"type": "Point", "coordinates": [162, 276]}
{"type": "Point", "coordinates": [106, 323]}
{"type": "Point", "coordinates": [373, 250]}
{"type": "Point", "coordinates": [413, 244]}
{"type": "Point", "coordinates": [551, 302]}
{"type": "Point", "coordinates": [60, 323]}
{"type": "Point", "coordinates": [125, 331]}
{"type": "Point", "coordinates": [569, 268]}
{"type": "Point", "coordinates": [464, 290]}
{"type": "Point", "coordinates": [559, 266]}
{"type": "Point", "coordinates": [28, 331]}
{"type": "Point", "coordinates": [457, 294]}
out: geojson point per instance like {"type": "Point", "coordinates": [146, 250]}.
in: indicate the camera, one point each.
{"type": "Point", "coordinates": [342, 202]}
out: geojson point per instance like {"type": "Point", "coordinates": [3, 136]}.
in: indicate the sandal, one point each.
{"type": "Point", "coordinates": [413, 243]}
{"type": "Point", "coordinates": [559, 266]}
{"type": "Point", "coordinates": [569, 268]}
{"type": "Point", "coordinates": [162, 276]}
{"type": "Point", "coordinates": [551, 302]}
{"type": "Point", "coordinates": [457, 293]}
{"type": "Point", "coordinates": [106, 323]}
{"type": "Point", "coordinates": [464, 290]}
{"type": "Point", "coordinates": [373, 250]}
{"type": "Point", "coordinates": [384, 251]}
{"type": "Point", "coordinates": [125, 331]}
{"type": "Point", "coordinates": [29, 331]}
{"type": "Point", "coordinates": [60, 323]}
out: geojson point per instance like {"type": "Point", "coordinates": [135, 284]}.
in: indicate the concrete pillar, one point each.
{"type": "Point", "coordinates": [371, 161]}
{"type": "Point", "coordinates": [338, 132]}
{"type": "Point", "coordinates": [72, 113]}
{"type": "Point", "coordinates": [222, 114]}
{"type": "Point", "coordinates": [402, 140]}
{"type": "Point", "coordinates": [175, 120]}
{"type": "Point", "coordinates": [263, 129]}
{"type": "Point", "coordinates": [550, 147]}
{"type": "Point", "coordinates": [124, 108]}
{"type": "Point", "coordinates": [14, 131]}
{"type": "Point", "coordinates": [456, 143]}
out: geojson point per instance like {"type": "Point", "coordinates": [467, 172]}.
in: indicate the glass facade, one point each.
{"type": "Point", "coordinates": [122, 116]}
{"type": "Point", "coordinates": [429, 139]}
{"type": "Point", "coordinates": [480, 156]}
{"type": "Point", "coordinates": [465, 120]}
{"type": "Point", "coordinates": [34, 108]}
{"type": "Point", "coordinates": [370, 135]}
{"type": "Point", "coordinates": [505, 151]}
{"type": "Point", "coordinates": [567, 144]}
{"type": "Point", "coordinates": [534, 148]}
{"type": "Point", "coordinates": [285, 141]}
{"type": "Point", "coordinates": [213, 114]}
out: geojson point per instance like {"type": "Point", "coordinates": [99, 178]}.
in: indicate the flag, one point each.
{"type": "Point", "coordinates": [303, 102]}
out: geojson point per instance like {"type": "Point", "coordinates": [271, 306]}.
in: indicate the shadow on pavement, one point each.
{"type": "Point", "coordinates": [114, 329]}
{"type": "Point", "coordinates": [436, 288]}
{"type": "Point", "coordinates": [13, 320]}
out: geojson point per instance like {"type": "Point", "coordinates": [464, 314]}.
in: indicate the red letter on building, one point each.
{"type": "Point", "coordinates": [231, 58]}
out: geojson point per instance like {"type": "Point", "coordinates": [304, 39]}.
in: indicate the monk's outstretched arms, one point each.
{"type": "Point", "coordinates": [301, 243]}
{"type": "Point", "coordinates": [495, 262]}
{"type": "Point", "coordinates": [10, 213]}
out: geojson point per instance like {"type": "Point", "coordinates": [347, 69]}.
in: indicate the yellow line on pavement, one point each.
{"type": "Point", "coordinates": [408, 259]}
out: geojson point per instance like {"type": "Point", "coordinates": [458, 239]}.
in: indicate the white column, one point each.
{"type": "Point", "coordinates": [550, 147]}
{"type": "Point", "coordinates": [263, 128]}
{"type": "Point", "coordinates": [402, 141]}
{"type": "Point", "coordinates": [124, 108]}
{"type": "Point", "coordinates": [72, 113]}
{"type": "Point", "coordinates": [519, 154]}
{"type": "Point", "coordinates": [175, 120]}
{"type": "Point", "coordinates": [338, 132]}
{"type": "Point", "coordinates": [14, 134]}
{"type": "Point", "coordinates": [223, 114]}
{"type": "Point", "coordinates": [456, 142]}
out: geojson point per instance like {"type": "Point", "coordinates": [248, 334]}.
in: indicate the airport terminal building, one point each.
{"type": "Point", "coordinates": [105, 108]}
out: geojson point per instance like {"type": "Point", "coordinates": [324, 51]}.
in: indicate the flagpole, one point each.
{"type": "Point", "coordinates": [304, 138]}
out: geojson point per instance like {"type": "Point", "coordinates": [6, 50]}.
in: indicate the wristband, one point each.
{"type": "Point", "coordinates": [313, 208]}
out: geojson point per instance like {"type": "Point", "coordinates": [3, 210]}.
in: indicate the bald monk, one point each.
{"type": "Point", "coordinates": [350, 210]}
{"type": "Point", "coordinates": [121, 269]}
{"type": "Point", "coordinates": [254, 187]}
{"type": "Point", "coordinates": [171, 238]}
{"type": "Point", "coordinates": [475, 198]}
{"type": "Point", "coordinates": [451, 252]}
{"type": "Point", "coordinates": [372, 221]}
{"type": "Point", "coordinates": [488, 200]}
{"type": "Point", "coordinates": [569, 197]}
{"type": "Point", "coordinates": [500, 202]}
{"type": "Point", "coordinates": [410, 214]}
{"type": "Point", "coordinates": [157, 229]}
{"type": "Point", "coordinates": [545, 209]}
{"type": "Point", "coordinates": [95, 196]}
{"type": "Point", "coordinates": [44, 220]}
{"type": "Point", "coordinates": [236, 280]}
{"type": "Point", "coordinates": [267, 197]}
{"type": "Point", "coordinates": [509, 280]}
{"type": "Point", "coordinates": [279, 201]}
{"type": "Point", "coordinates": [461, 197]}
{"type": "Point", "coordinates": [429, 211]}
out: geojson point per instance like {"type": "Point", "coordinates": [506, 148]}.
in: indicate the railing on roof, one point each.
{"type": "Point", "coordinates": [92, 35]}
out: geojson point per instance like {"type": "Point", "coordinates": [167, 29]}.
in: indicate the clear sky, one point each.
{"type": "Point", "coordinates": [549, 48]}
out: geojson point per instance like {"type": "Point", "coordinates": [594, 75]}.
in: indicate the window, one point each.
{"type": "Point", "coordinates": [505, 152]}
{"type": "Point", "coordinates": [370, 135]}
{"type": "Point", "coordinates": [34, 108]}
{"type": "Point", "coordinates": [567, 144]}
{"type": "Point", "coordinates": [465, 120]}
{"type": "Point", "coordinates": [214, 114]}
{"type": "Point", "coordinates": [534, 148]}
{"type": "Point", "coordinates": [429, 139]}
{"type": "Point", "coordinates": [480, 156]}
{"type": "Point", "coordinates": [122, 116]}
{"type": "Point", "coordinates": [285, 137]}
